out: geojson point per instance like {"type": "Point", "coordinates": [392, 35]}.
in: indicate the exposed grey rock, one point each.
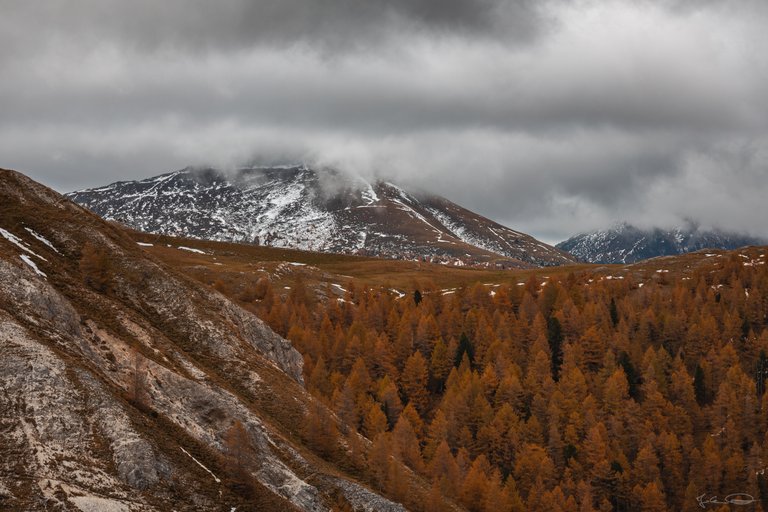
{"type": "Point", "coordinates": [25, 293]}
{"type": "Point", "coordinates": [287, 484]}
{"type": "Point", "coordinates": [134, 457]}
{"type": "Point", "coordinates": [266, 341]}
{"type": "Point", "coordinates": [206, 412]}
{"type": "Point", "coordinates": [364, 500]}
{"type": "Point", "coordinates": [54, 437]}
{"type": "Point", "coordinates": [221, 333]}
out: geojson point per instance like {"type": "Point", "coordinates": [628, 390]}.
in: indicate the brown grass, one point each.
{"type": "Point", "coordinates": [230, 261]}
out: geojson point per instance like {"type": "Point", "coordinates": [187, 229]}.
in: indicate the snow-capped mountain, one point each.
{"type": "Point", "coordinates": [624, 243]}
{"type": "Point", "coordinates": [303, 208]}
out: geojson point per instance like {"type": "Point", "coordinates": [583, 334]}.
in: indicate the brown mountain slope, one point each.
{"type": "Point", "coordinates": [127, 386]}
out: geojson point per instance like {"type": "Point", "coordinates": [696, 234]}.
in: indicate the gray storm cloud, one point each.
{"type": "Point", "coordinates": [549, 116]}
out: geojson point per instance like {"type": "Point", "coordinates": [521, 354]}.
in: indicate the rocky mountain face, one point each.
{"type": "Point", "coordinates": [298, 207]}
{"type": "Point", "coordinates": [125, 386]}
{"type": "Point", "coordinates": [625, 243]}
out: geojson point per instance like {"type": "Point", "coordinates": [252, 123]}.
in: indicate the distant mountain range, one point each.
{"type": "Point", "coordinates": [624, 243]}
{"type": "Point", "coordinates": [319, 210]}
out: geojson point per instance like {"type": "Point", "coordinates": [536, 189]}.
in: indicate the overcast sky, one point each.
{"type": "Point", "coordinates": [549, 116]}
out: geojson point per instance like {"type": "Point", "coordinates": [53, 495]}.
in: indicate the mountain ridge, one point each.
{"type": "Point", "coordinates": [299, 207]}
{"type": "Point", "coordinates": [625, 243]}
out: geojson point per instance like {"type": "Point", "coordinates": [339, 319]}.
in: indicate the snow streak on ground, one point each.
{"type": "Point", "coordinates": [191, 249]}
{"type": "Point", "coordinates": [42, 239]}
{"type": "Point", "coordinates": [18, 242]}
{"type": "Point", "coordinates": [217, 479]}
{"type": "Point", "coordinates": [32, 264]}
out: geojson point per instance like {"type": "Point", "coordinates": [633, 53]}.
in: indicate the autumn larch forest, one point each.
{"type": "Point", "coordinates": [573, 394]}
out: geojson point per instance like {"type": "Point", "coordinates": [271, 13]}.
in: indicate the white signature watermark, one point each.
{"type": "Point", "coordinates": [738, 498]}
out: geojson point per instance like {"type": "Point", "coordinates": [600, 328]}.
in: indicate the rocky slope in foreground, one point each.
{"type": "Point", "coordinates": [125, 386]}
{"type": "Point", "coordinates": [302, 208]}
{"type": "Point", "coordinates": [624, 243]}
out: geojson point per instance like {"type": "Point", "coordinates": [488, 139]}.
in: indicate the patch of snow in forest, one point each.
{"type": "Point", "coordinates": [400, 294]}
{"type": "Point", "coordinates": [144, 244]}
